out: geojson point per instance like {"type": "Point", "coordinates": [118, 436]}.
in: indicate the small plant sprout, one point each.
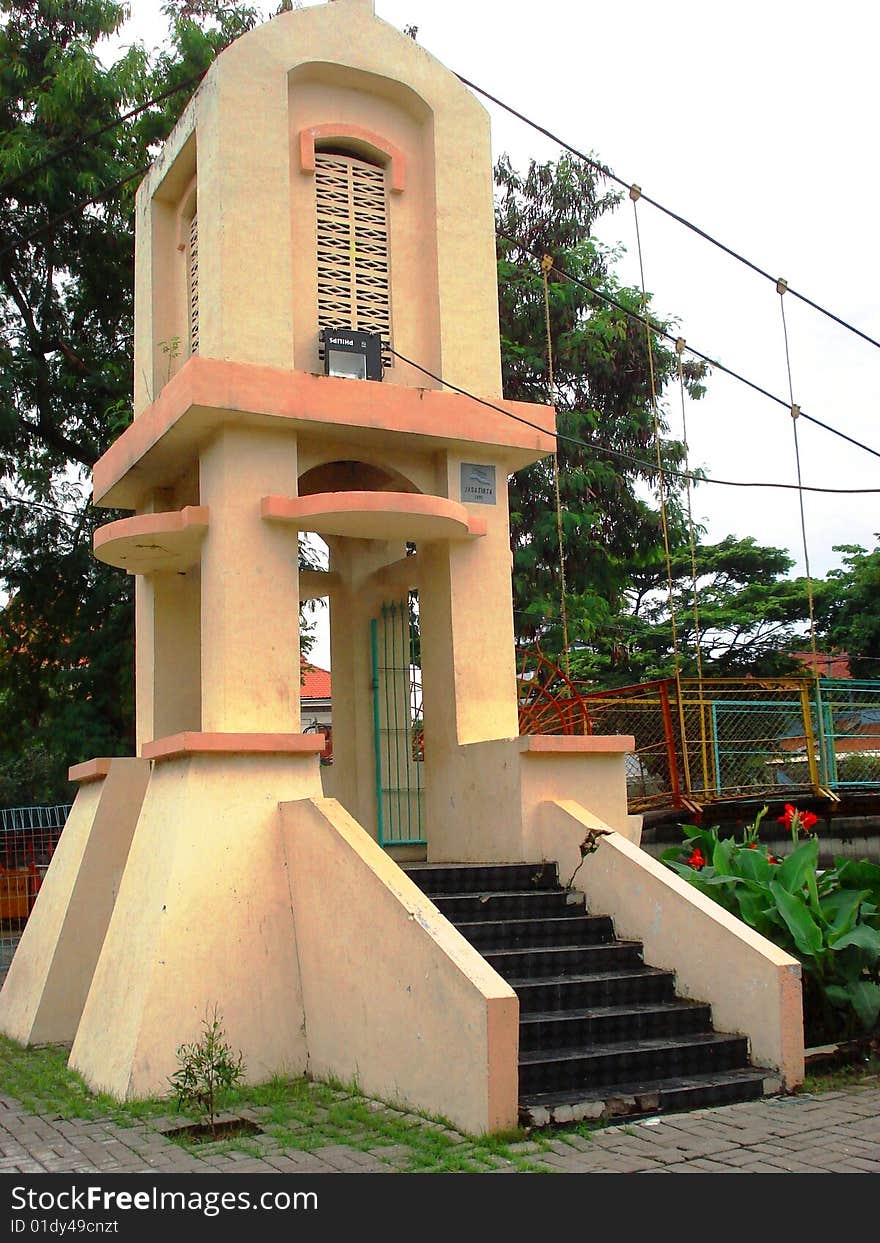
{"type": "Point", "coordinates": [171, 350]}
{"type": "Point", "coordinates": [588, 846]}
{"type": "Point", "coordinates": [207, 1067]}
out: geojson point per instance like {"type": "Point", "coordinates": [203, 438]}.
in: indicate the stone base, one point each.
{"type": "Point", "coordinates": [203, 918]}
{"type": "Point", "coordinates": [49, 977]}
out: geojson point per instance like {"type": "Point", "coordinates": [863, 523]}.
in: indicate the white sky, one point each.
{"type": "Point", "coordinates": [756, 122]}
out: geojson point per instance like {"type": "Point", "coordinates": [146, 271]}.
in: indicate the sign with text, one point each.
{"type": "Point", "coordinates": [477, 484]}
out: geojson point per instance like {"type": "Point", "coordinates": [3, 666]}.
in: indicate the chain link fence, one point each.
{"type": "Point", "coordinates": [28, 837]}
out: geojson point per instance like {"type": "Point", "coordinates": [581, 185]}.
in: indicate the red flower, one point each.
{"type": "Point", "coordinates": [696, 860]}
{"type": "Point", "coordinates": [801, 821]}
{"type": "Point", "coordinates": [773, 859]}
{"type": "Point", "coordinates": [753, 845]}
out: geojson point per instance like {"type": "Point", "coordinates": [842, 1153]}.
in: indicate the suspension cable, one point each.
{"type": "Point", "coordinates": [634, 194]}
{"type": "Point", "coordinates": [546, 267]}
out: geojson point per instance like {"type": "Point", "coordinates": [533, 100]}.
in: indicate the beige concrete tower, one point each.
{"type": "Point", "coordinates": [329, 186]}
{"type": "Point", "coordinates": [327, 174]}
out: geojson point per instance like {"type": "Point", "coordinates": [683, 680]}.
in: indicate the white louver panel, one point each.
{"type": "Point", "coordinates": [353, 285]}
{"type": "Point", "coordinates": [193, 284]}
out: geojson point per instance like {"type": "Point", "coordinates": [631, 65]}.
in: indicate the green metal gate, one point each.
{"type": "Point", "coordinates": [397, 724]}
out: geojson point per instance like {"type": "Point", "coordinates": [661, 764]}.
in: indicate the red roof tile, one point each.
{"type": "Point", "coordinates": [315, 682]}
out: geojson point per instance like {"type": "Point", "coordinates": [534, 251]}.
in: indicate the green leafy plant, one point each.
{"type": "Point", "coordinates": [827, 918]}
{"type": "Point", "coordinates": [208, 1067]}
{"type": "Point", "coordinates": [171, 350]}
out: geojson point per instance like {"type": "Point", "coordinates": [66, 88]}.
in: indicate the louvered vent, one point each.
{"type": "Point", "coordinates": [353, 287]}
{"type": "Point", "coordinates": [193, 284]}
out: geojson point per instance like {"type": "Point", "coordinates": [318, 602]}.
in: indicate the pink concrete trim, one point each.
{"type": "Point", "coordinates": [232, 744]}
{"type": "Point", "coordinates": [180, 530]}
{"type": "Point", "coordinates": [344, 129]}
{"type": "Point", "coordinates": [440, 517]}
{"type": "Point", "coordinates": [89, 770]}
{"type": "Point", "coordinates": [577, 744]}
{"type": "Point", "coordinates": [207, 391]}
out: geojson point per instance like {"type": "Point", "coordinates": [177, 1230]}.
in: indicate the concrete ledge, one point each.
{"type": "Point", "coordinates": [208, 392]}
{"type": "Point", "coordinates": [577, 744]}
{"type": "Point", "coordinates": [225, 744]}
{"type": "Point", "coordinates": [148, 543]}
{"type": "Point", "coordinates": [393, 994]}
{"type": "Point", "coordinates": [89, 770]}
{"type": "Point", "coordinates": [376, 515]}
{"type": "Point", "coordinates": [753, 986]}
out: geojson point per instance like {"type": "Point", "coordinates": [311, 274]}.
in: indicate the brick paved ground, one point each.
{"type": "Point", "coordinates": [838, 1132]}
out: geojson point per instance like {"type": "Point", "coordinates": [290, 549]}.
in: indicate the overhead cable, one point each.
{"type": "Point", "coordinates": [606, 172]}
{"type": "Point", "coordinates": [661, 332]}
{"type": "Point", "coordinates": [595, 447]}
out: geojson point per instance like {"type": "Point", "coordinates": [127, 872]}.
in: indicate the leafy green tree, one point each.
{"type": "Point", "coordinates": [850, 614]}
{"type": "Point", "coordinates": [751, 617]}
{"type": "Point", "coordinates": [65, 359]}
{"type": "Point", "coordinates": [602, 393]}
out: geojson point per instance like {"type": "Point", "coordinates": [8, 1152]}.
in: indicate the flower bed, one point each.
{"type": "Point", "coordinates": [827, 918]}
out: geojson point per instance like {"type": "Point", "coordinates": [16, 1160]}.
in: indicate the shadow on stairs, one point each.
{"type": "Point", "coordinates": [602, 1035]}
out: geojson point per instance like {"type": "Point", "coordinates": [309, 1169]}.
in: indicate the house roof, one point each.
{"type": "Point", "coordinates": [828, 666]}
{"type": "Point", "coordinates": [315, 682]}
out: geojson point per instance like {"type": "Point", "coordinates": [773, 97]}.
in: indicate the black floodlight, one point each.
{"type": "Point", "coordinates": [352, 355]}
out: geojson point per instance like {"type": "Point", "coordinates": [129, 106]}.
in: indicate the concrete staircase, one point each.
{"type": "Point", "coordinates": [601, 1033]}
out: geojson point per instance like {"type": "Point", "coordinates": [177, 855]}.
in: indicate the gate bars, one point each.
{"type": "Point", "coordinates": [397, 724]}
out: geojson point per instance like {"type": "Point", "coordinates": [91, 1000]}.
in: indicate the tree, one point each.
{"type": "Point", "coordinates": [751, 617]}
{"type": "Point", "coordinates": [602, 393]}
{"type": "Point", "coordinates": [850, 616]}
{"type": "Point", "coordinates": [65, 359]}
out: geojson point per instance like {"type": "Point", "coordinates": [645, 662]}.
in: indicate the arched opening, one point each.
{"type": "Point", "coordinates": [352, 476]}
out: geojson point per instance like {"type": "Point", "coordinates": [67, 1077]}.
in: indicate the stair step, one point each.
{"type": "Point", "coordinates": [555, 960]}
{"type": "Point", "coordinates": [647, 1096]}
{"type": "Point", "coordinates": [605, 1025]}
{"type": "Point", "coordinates": [553, 1070]}
{"type": "Point", "coordinates": [457, 878]}
{"type": "Point", "coordinates": [514, 904]}
{"type": "Point", "coordinates": [557, 930]}
{"type": "Point", "coordinates": [593, 988]}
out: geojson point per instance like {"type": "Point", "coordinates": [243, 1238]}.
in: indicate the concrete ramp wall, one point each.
{"type": "Point", "coordinates": [394, 997]}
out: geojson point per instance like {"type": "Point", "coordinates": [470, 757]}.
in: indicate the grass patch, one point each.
{"type": "Point", "coordinates": [864, 1073]}
{"type": "Point", "coordinates": [299, 1114]}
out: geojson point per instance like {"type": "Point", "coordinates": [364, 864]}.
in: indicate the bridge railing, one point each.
{"type": "Point", "coordinates": [710, 739]}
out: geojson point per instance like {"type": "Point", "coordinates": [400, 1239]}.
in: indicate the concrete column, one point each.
{"type": "Point", "coordinates": [467, 630]}
{"type": "Point", "coordinates": [353, 605]}
{"type": "Point", "coordinates": [250, 590]}
{"type": "Point", "coordinates": [168, 652]}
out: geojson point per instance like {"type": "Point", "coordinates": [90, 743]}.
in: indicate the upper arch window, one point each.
{"type": "Point", "coordinates": [353, 263]}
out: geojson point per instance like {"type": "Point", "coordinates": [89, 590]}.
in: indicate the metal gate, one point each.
{"type": "Point", "coordinates": [397, 724]}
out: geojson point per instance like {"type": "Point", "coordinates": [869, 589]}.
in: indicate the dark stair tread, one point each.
{"type": "Point", "coordinates": [539, 877]}
{"type": "Point", "coordinates": [596, 1012]}
{"type": "Point", "coordinates": [673, 1086]}
{"type": "Point", "coordinates": [518, 934]}
{"type": "Point", "coordinates": [534, 1057]}
{"type": "Point", "coordinates": [586, 977]}
{"type": "Point", "coordinates": [489, 895]}
{"type": "Point", "coordinates": [533, 953]}
{"type": "Point", "coordinates": [534, 919]}
{"type": "Point", "coordinates": [506, 893]}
